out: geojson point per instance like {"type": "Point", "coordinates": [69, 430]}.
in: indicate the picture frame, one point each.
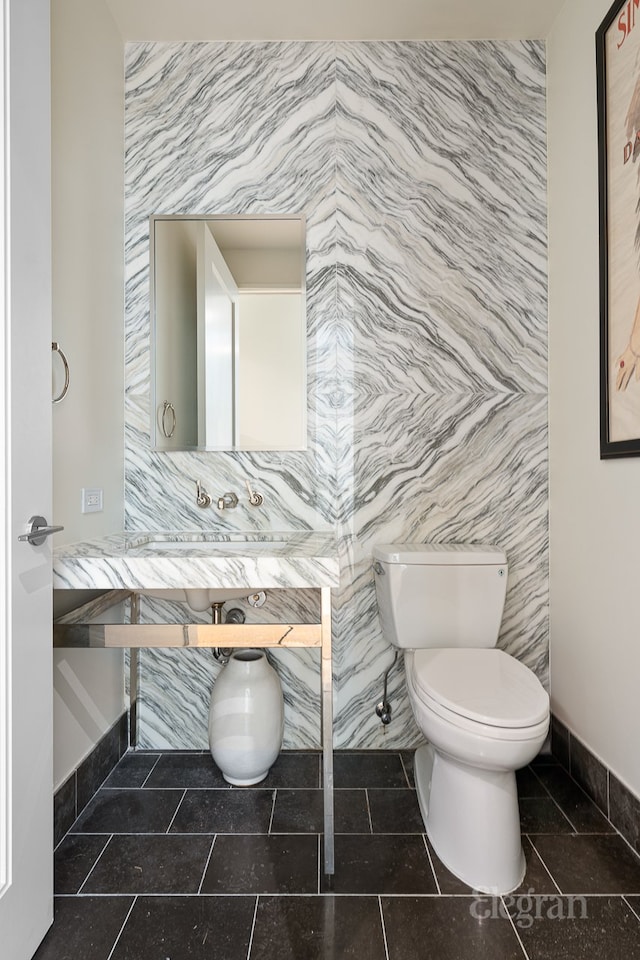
{"type": "Point", "coordinates": [618, 108]}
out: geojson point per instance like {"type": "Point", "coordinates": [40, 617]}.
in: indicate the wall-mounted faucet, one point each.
{"type": "Point", "coordinates": [228, 501]}
{"type": "Point", "coordinates": [202, 497]}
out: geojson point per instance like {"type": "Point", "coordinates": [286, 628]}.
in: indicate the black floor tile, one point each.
{"type": "Point", "coordinates": [544, 759]}
{"type": "Point", "coordinates": [150, 863]}
{"type": "Point", "coordinates": [449, 928]}
{"type": "Point", "coordinates": [187, 928]}
{"type": "Point", "coordinates": [395, 811]}
{"type": "Point", "coordinates": [528, 784]}
{"type": "Point", "coordinates": [408, 757]}
{"type": "Point", "coordinates": [634, 903]}
{"type": "Point", "coordinates": [590, 863]}
{"type": "Point", "coordinates": [145, 797]}
{"type": "Point", "coordinates": [295, 769]}
{"type": "Point", "coordinates": [368, 769]}
{"type": "Point", "coordinates": [580, 929]}
{"type": "Point", "coordinates": [84, 927]}
{"type": "Point", "coordinates": [132, 771]}
{"type": "Point", "coordinates": [542, 815]}
{"type": "Point", "coordinates": [224, 811]}
{"type": "Point", "coordinates": [302, 811]}
{"type": "Point", "coordinates": [74, 859]}
{"type": "Point", "coordinates": [185, 770]}
{"type": "Point", "coordinates": [382, 864]}
{"type": "Point", "coordinates": [129, 811]}
{"type": "Point", "coordinates": [574, 802]}
{"type": "Point", "coordinates": [280, 863]}
{"type": "Point", "coordinates": [537, 878]}
{"type": "Point", "coordinates": [318, 928]}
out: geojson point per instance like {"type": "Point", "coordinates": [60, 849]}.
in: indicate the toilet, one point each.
{"type": "Point", "coordinates": [483, 713]}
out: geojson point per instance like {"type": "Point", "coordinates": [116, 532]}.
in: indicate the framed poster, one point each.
{"type": "Point", "coordinates": [618, 92]}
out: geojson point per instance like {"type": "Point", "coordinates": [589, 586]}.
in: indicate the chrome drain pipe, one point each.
{"type": "Point", "coordinates": [222, 654]}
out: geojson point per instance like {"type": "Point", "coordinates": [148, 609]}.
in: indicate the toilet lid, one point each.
{"type": "Point", "coordinates": [487, 686]}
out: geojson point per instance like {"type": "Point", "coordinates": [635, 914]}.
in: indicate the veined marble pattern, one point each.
{"type": "Point", "coordinates": [421, 169]}
{"type": "Point", "coordinates": [442, 233]}
{"type": "Point", "coordinates": [173, 705]}
{"type": "Point", "coordinates": [465, 483]}
{"type": "Point", "coordinates": [231, 128]}
{"type": "Point", "coordinates": [132, 562]}
{"type": "Point", "coordinates": [442, 336]}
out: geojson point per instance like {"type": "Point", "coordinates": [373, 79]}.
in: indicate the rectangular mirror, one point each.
{"type": "Point", "coordinates": [228, 333]}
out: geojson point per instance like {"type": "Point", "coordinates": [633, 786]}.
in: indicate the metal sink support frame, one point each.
{"type": "Point", "coordinates": [135, 636]}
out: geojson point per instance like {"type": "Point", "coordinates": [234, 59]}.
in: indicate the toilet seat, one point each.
{"type": "Point", "coordinates": [480, 688]}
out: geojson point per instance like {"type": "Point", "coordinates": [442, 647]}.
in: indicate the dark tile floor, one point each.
{"type": "Point", "coordinates": [169, 863]}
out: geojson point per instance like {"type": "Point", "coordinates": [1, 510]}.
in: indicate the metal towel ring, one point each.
{"type": "Point", "coordinates": [55, 346]}
{"type": "Point", "coordinates": [168, 408]}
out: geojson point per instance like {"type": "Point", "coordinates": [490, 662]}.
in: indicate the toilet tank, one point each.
{"type": "Point", "coordinates": [440, 595]}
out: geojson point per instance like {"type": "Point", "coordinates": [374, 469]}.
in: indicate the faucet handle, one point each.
{"type": "Point", "coordinates": [202, 497]}
{"type": "Point", "coordinates": [255, 499]}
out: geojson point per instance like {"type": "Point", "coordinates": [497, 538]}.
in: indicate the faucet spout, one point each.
{"type": "Point", "coordinates": [228, 501]}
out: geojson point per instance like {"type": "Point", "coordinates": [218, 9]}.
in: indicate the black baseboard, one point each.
{"type": "Point", "coordinates": [616, 801]}
{"type": "Point", "coordinates": [75, 793]}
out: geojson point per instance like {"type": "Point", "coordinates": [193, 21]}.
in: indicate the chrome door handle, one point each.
{"type": "Point", "coordinates": [168, 425]}
{"type": "Point", "coordinates": [55, 346]}
{"type": "Point", "coordinates": [38, 531]}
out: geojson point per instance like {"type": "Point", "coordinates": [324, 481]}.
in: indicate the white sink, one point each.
{"type": "Point", "coordinates": [202, 599]}
{"type": "Point", "coordinates": [231, 562]}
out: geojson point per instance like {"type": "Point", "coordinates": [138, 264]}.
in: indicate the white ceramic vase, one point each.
{"type": "Point", "coordinates": [246, 718]}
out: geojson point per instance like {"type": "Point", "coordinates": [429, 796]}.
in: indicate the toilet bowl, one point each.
{"type": "Point", "coordinates": [465, 778]}
{"type": "Point", "coordinates": [483, 713]}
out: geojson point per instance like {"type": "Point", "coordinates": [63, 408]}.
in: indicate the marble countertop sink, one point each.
{"type": "Point", "coordinates": [169, 545]}
{"type": "Point", "coordinates": [162, 560]}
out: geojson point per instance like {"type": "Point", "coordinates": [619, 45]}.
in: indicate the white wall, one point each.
{"type": "Point", "coordinates": [595, 521]}
{"type": "Point", "coordinates": [88, 212]}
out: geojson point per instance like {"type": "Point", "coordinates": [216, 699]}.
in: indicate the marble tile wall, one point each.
{"type": "Point", "coordinates": [421, 170]}
{"type": "Point", "coordinates": [173, 698]}
{"type": "Point", "coordinates": [231, 128]}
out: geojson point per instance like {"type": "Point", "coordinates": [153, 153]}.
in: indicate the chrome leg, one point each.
{"type": "Point", "coordinates": [327, 732]}
{"type": "Point", "coordinates": [134, 666]}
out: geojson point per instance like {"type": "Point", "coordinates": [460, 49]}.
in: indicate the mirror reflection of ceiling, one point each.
{"type": "Point", "coordinates": [249, 233]}
{"type": "Point", "coordinates": [334, 19]}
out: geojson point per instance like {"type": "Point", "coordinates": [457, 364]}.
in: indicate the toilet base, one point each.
{"type": "Point", "coordinates": [472, 820]}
